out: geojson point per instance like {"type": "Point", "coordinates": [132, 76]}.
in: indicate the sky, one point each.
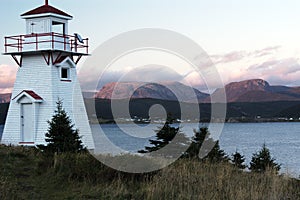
{"type": "Point", "coordinates": [244, 39]}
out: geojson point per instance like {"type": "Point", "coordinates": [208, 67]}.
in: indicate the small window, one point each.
{"type": "Point", "coordinates": [65, 73]}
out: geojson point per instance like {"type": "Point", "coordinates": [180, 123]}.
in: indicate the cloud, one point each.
{"type": "Point", "coordinates": [7, 78]}
{"type": "Point", "coordinates": [273, 64]}
{"type": "Point", "coordinates": [265, 51]}
{"type": "Point", "coordinates": [283, 66]}
{"type": "Point", "coordinates": [147, 73]}
{"type": "Point", "coordinates": [229, 57]}
{"type": "Point", "coordinates": [265, 65]}
{"type": "Point", "coordinates": [240, 55]}
{"type": "Point", "coordinates": [283, 71]}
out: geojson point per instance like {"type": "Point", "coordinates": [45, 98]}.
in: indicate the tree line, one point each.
{"type": "Point", "coordinates": [61, 137]}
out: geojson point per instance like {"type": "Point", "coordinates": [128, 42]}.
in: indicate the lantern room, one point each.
{"type": "Point", "coordinates": [46, 29]}
{"type": "Point", "coordinates": [46, 19]}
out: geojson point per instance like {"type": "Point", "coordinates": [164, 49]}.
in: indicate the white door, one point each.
{"type": "Point", "coordinates": [27, 123]}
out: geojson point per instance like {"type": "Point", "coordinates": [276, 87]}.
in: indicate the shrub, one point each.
{"type": "Point", "coordinates": [211, 150]}
{"type": "Point", "coordinates": [61, 136]}
{"type": "Point", "coordinates": [238, 160]}
{"type": "Point", "coordinates": [262, 161]}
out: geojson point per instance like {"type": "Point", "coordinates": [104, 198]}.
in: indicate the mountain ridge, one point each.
{"type": "Point", "coordinates": [252, 90]}
{"type": "Point", "coordinates": [259, 90]}
{"type": "Point", "coordinates": [138, 90]}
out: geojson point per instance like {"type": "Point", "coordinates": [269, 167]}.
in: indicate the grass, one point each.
{"type": "Point", "coordinates": [25, 173]}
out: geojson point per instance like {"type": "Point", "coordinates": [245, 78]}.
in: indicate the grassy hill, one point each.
{"type": "Point", "coordinates": [27, 174]}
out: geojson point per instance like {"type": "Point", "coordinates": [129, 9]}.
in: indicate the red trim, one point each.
{"type": "Point", "coordinates": [19, 62]}
{"type": "Point", "coordinates": [16, 43]}
{"type": "Point", "coordinates": [46, 9]}
{"type": "Point", "coordinates": [31, 93]}
{"type": "Point", "coordinates": [26, 142]}
{"type": "Point", "coordinates": [57, 58]}
{"type": "Point", "coordinates": [47, 60]}
{"type": "Point", "coordinates": [65, 80]}
{"type": "Point", "coordinates": [78, 59]}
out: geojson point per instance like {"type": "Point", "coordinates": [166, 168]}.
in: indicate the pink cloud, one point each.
{"type": "Point", "coordinates": [265, 51]}
{"type": "Point", "coordinates": [229, 57]}
{"type": "Point", "coordinates": [7, 78]}
{"type": "Point", "coordinates": [239, 55]}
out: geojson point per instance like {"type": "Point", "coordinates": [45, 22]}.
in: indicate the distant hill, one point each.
{"type": "Point", "coordinates": [245, 99]}
{"type": "Point", "coordinates": [258, 90]}
{"type": "Point", "coordinates": [140, 108]}
{"type": "Point", "coordinates": [161, 91]}
{"type": "Point", "coordinates": [254, 90]}
{"type": "Point", "coordinates": [235, 110]}
{"type": "Point", "coordinates": [5, 98]}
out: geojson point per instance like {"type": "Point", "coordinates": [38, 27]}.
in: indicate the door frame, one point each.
{"type": "Point", "coordinates": [22, 128]}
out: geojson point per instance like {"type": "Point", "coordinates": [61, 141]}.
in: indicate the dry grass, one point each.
{"type": "Point", "coordinates": [27, 174]}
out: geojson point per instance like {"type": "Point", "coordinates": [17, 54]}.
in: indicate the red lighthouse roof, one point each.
{"type": "Point", "coordinates": [46, 9]}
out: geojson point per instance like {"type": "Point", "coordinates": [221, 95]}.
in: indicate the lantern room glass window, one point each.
{"type": "Point", "coordinates": [58, 27]}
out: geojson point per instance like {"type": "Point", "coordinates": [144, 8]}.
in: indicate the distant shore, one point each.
{"type": "Point", "coordinates": [161, 121]}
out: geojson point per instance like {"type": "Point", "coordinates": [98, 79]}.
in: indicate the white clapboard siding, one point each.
{"type": "Point", "coordinates": [46, 81]}
{"type": "Point", "coordinates": [40, 84]}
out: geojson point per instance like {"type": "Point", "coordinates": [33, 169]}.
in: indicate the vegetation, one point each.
{"type": "Point", "coordinates": [61, 135]}
{"type": "Point", "coordinates": [25, 173]}
{"type": "Point", "coordinates": [238, 111]}
{"type": "Point", "coordinates": [263, 161]}
{"type": "Point", "coordinates": [211, 150]}
{"type": "Point", "coordinates": [165, 136]}
{"type": "Point", "coordinates": [72, 173]}
{"type": "Point", "coordinates": [238, 160]}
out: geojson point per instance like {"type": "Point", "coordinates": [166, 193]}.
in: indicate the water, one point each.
{"type": "Point", "coordinates": [283, 140]}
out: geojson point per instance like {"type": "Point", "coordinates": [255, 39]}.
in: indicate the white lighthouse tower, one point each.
{"type": "Point", "coordinates": [47, 56]}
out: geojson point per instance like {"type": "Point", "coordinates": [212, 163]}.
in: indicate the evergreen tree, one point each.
{"type": "Point", "coordinates": [262, 161]}
{"type": "Point", "coordinates": [216, 154]}
{"type": "Point", "coordinates": [61, 136]}
{"type": "Point", "coordinates": [238, 160]}
{"type": "Point", "coordinates": [197, 141]}
{"type": "Point", "coordinates": [165, 136]}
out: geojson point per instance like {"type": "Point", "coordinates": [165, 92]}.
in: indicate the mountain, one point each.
{"type": "Point", "coordinates": [5, 98]}
{"type": "Point", "coordinates": [161, 91]}
{"type": "Point", "coordinates": [254, 90]}
{"type": "Point", "coordinates": [258, 90]}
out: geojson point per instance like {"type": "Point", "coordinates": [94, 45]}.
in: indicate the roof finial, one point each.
{"type": "Point", "coordinates": [46, 2]}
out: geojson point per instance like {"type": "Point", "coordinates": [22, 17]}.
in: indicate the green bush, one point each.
{"type": "Point", "coordinates": [262, 160]}
{"type": "Point", "coordinates": [61, 136]}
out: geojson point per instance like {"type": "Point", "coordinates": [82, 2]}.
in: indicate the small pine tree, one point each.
{"type": "Point", "coordinates": [238, 160]}
{"type": "Point", "coordinates": [197, 141]}
{"type": "Point", "coordinates": [213, 155]}
{"type": "Point", "coordinates": [61, 136]}
{"type": "Point", "coordinates": [216, 155]}
{"type": "Point", "coordinates": [165, 136]}
{"type": "Point", "coordinates": [262, 161]}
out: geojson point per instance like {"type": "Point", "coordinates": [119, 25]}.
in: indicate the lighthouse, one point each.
{"type": "Point", "coordinates": [47, 56]}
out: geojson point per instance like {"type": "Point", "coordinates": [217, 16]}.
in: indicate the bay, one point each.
{"type": "Point", "coordinates": [283, 140]}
